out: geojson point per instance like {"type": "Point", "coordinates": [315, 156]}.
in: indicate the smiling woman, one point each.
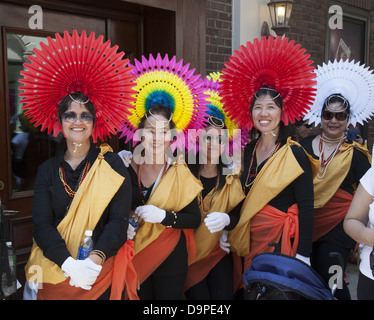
{"type": "Point", "coordinates": [277, 176]}
{"type": "Point", "coordinates": [81, 177]}
{"type": "Point", "coordinates": [344, 96]}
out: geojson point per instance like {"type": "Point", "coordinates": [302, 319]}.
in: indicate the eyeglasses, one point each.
{"type": "Point", "coordinates": [340, 116]}
{"type": "Point", "coordinates": [209, 139]}
{"type": "Point", "coordinates": [72, 117]}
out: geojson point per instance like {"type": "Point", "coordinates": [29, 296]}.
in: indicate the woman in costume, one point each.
{"type": "Point", "coordinates": [277, 175]}
{"type": "Point", "coordinates": [344, 96]}
{"type": "Point", "coordinates": [164, 190]}
{"type": "Point", "coordinates": [84, 187]}
{"type": "Point", "coordinates": [211, 277]}
{"type": "Point", "coordinates": [359, 224]}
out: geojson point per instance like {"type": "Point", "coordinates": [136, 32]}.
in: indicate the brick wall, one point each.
{"type": "Point", "coordinates": [308, 26]}
{"type": "Point", "coordinates": [218, 34]}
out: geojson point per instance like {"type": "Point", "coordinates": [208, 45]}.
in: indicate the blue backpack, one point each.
{"type": "Point", "coordinates": [274, 276]}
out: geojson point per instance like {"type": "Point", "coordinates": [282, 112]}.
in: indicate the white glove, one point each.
{"type": "Point", "coordinates": [126, 157]}
{"type": "Point", "coordinates": [225, 246]}
{"type": "Point", "coordinates": [150, 213]}
{"type": "Point", "coordinates": [216, 221]}
{"type": "Point", "coordinates": [130, 232]}
{"type": "Point", "coordinates": [82, 273]}
{"type": "Point", "coordinates": [303, 259]}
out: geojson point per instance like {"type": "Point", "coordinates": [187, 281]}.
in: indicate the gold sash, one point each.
{"type": "Point", "coordinates": [337, 171]}
{"type": "Point", "coordinates": [90, 201]}
{"type": "Point", "coordinates": [278, 172]}
{"type": "Point", "coordinates": [224, 200]}
{"type": "Point", "coordinates": [176, 189]}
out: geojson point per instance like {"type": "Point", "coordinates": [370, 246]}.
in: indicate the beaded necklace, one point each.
{"type": "Point", "coordinates": [325, 163]}
{"type": "Point", "coordinates": [140, 181]}
{"type": "Point", "coordinates": [61, 172]}
{"type": "Point", "coordinates": [254, 175]}
{"type": "Point", "coordinates": [211, 198]}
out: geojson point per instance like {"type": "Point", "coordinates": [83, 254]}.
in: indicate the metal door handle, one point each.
{"type": "Point", "coordinates": [11, 212]}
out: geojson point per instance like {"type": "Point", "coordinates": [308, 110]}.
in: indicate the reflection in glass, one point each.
{"type": "Point", "coordinates": [29, 146]}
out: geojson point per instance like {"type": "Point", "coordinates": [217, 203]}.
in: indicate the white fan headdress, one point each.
{"type": "Point", "coordinates": [353, 81]}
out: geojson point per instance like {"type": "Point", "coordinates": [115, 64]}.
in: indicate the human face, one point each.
{"type": "Point", "coordinates": [77, 131]}
{"type": "Point", "coordinates": [334, 128]}
{"type": "Point", "coordinates": [212, 145]}
{"type": "Point", "coordinates": [304, 130]}
{"type": "Point", "coordinates": [266, 114]}
{"type": "Point", "coordinates": [156, 135]}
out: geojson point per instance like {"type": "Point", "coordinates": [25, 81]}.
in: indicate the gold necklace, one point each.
{"type": "Point", "coordinates": [246, 184]}
{"type": "Point", "coordinates": [201, 200]}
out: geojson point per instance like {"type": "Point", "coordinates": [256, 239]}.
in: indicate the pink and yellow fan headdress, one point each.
{"type": "Point", "coordinates": [172, 84]}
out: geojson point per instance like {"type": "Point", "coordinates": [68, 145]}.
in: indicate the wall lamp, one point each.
{"type": "Point", "coordinates": [280, 13]}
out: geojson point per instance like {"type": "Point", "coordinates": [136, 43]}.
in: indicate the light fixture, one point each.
{"type": "Point", "coordinates": [280, 13]}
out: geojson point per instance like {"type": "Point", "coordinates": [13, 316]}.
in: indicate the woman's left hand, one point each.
{"type": "Point", "coordinates": [217, 221]}
{"type": "Point", "coordinates": [150, 213]}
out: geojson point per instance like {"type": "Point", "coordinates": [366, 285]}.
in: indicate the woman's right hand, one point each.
{"type": "Point", "coordinates": [82, 273]}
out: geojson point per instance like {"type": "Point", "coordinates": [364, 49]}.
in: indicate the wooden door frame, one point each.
{"type": "Point", "coordinates": [190, 16]}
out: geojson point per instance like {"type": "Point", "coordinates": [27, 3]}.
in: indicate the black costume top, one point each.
{"type": "Point", "coordinates": [190, 217]}
{"type": "Point", "coordinates": [359, 166]}
{"type": "Point", "coordinates": [299, 191]}
{"type": "Point", "coordinates": [51, 202]}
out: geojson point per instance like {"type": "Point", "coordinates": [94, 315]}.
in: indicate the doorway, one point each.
{"type": "Point", "coordinates": [24, 147]}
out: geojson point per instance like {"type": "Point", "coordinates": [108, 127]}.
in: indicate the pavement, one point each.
{"type": "Point", "coordinates": [352, 276]}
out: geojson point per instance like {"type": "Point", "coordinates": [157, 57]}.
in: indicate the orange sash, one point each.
{"type": "Point", "coordinates": [153, 241]}
{"type": "Point", "coordinates": [269, 225]}
{"type": "Point", "coordinates": [200, 269]}
{"type": "Point", "coordinates": [150, 258]}
{"type": "Point", "coordinates": [117, 271]}
{"type": "Point", "coordinates": [329, 216]}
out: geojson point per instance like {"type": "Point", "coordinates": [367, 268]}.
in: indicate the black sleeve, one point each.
{"type": "Point", "coordinates": [188, 218]}
{"type": "Point", "coordinates": [304, 194]}
{"type": "Point", "coordinates": [360, 165]}
{"type": "Point", "coordinates": [234, 215]}
{"type": "Point", "coordinates": [114, 232]}
{"type": "Point", "coordinates": [45, 232]}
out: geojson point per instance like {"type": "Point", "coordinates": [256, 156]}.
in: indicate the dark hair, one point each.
{"type": "Point", "coordinates": [337, 97]}
{"type": "Point", "coordinates": [284, 131]}
{"type": "Point", "coordinates": [157, 109]}
{"type": "Point", "coordinates": [79, 96]}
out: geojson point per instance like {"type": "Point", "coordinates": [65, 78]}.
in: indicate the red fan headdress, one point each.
{"type": "Point", "coordinates": [77, 63]}
{"type": "Point", "coordinates": [273, 62]}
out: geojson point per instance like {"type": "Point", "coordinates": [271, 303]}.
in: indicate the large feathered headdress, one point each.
{"type": "Point", "coordinates": [274, 62]}
{"type": "Point", "coordinates": [77, 63]}
{"type": "Point", "coordinates": [172, 84]}
{"type": "Point", "coordinates": [353, 81]}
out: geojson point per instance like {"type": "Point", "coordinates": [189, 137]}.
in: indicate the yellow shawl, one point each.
{"type": "Point", "coordinates": [224, 200]}
{"type": "Point", "coordinates": [90, 201]}
{"type": "Point", "coordinates": [278, 172]}
{"type": "Point", "coordinates": [176, 189]}
{"type": "Point", "coordinates": [336, 172]}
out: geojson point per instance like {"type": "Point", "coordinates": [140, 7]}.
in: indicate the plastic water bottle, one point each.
{"type": "Point", "coordinates": [134, 221]}
{"type": "Point", "coordinates": [86, 245]}
{"type": "Point", "coordinates": [9, 286]}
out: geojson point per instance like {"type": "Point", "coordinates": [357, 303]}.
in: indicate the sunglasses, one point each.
{"type": "Point", "coordinates": [72, 117]}
{"type": "Point", "coordinates": [340, 116]}
{"type": "Point", "coordinates": [209, 139]}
